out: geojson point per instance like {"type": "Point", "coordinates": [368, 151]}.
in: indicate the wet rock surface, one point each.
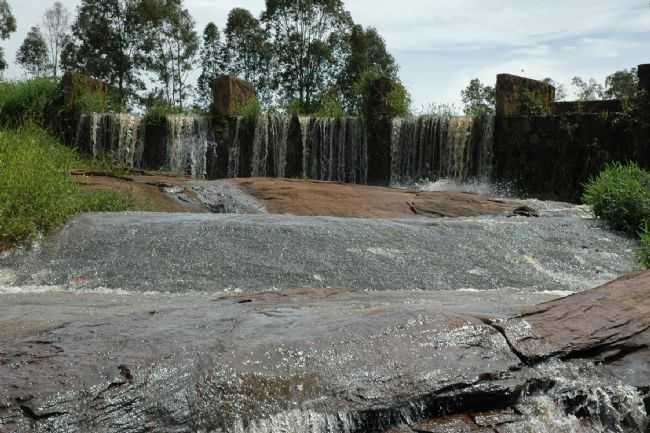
{"type": "Point", "coordinates": [181, 252]}
{"type": "Point", "coordinates": [297, 360]}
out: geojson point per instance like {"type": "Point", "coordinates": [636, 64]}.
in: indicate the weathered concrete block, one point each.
{"type": "Point", "coordinates": [76, 86]}
{"type": "Point", "coordinates": [514, 95]}
{"type": "Point", "coordinates": [231, 94]}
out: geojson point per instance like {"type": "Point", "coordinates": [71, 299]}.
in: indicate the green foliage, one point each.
{"type": "Point", "coordinates": [644, 250]}
{"type": "Point", "coordinates": [478, 98]}
{"type": "Point", "coordinates": [398, 100]}
{"type": "Point", "coordinates": [7, 27]}
{"type": "Point", "coordinates": [620, 195]}
{"type": "Point", "coordinates": [588, 90]}
{"type": "Point", "coordinates": [37, 193]}
{"type": "Point", "coordinates": [308, 42]}
{"type": "Point", "coordinates": [622, 85]}
{"type": "Point", "coordinates": [251, 109]}
{"type": "Point", "coordinates": [158, 109]}
{"type": "Point", "coordinates": [331, 106]}
{"type": "Point", "coordinates": [533, 104]}
{"type": "Point", "coordinates": [32, 55]}
{"type": "Point", "coordinates": [296, 107]}
{"type": "Point", "coordinates": [212, 56]}
{"type": "Point", "coordinates": [87, 98]}
{"type": "Point", "coordinates": [34, 100]}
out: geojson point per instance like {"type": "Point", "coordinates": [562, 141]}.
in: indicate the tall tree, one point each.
{"type": "Point", "coordinates": [172, 45]}
{"type": "Point", "coordinates": [366, 53]}
{"type": "Point", "coordinates": [7, 27]}
{"type": "Point", "coordinates": [622, 84]}
{"type": "Point", "coordinates": [107, 44]}
{"type": "Point", "coordinates": [248, 52]}
{"type": "Point", "coordinates": [32, 55]}
{"type": "Point", "coordinates": [588, 90]}
{"type": "Point", "coordinates": [212, 59]}
{"type": "Point", "coordinates": [309, 42]}
{"type": "Point", "coordinates": [57, 23]}
{"type": "Point", "coordinates": [478, 98]}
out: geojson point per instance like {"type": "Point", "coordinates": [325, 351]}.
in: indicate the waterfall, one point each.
{"type": "Point", "coordinates": [335, 149]}
{"type": "Point", "coordinates": [118, 136]}
{"type": "Point", "coordinates": [234, 151]}
{"type": "Point", "coordinates": [270, 145]}
{"type": "Point", "coordinates": [434, 147]}
{"type": "Point", "coordinates": [187, 144]}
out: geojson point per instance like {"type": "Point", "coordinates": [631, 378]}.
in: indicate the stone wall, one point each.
{"type": "Point", "coordinates": [552, 156]}
{"type": "Point", "coordinates": [518, 95]}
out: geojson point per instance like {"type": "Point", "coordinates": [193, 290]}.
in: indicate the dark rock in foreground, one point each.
{"type": "Point", "coordinates": [323, 361]}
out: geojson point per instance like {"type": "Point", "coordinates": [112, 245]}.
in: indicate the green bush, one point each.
{"type": "Point", "coordinates": [251, 109]}
{"type": "Point", "coordinates": [30, 100]}
{"type": "Point", "coordinates": [37, 193]}
{"type": "Point", "coordinates": [620, 195]}
{"type": "Point", "coordinates": [330, 107]}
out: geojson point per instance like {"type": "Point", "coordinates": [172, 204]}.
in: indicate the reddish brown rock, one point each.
{"type": "Point", "coordinates": [231, 94]}
{"type": "Point", "coordinates": [610, 324]}
{"type": "Point", "coordinates": [315, 198]}
{"type": "Point", "coordinates": [75, 85]}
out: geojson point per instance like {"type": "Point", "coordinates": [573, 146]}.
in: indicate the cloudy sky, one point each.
{"type": "Point", "coordinates": [441, 44]}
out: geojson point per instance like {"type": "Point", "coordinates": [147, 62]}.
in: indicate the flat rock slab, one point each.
{"type": "Point", "coordinates": [203, 252]}
{"type": "Point", "coordinates": [315, 198]}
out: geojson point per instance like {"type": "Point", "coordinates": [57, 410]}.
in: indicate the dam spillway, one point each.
{"type": "Point", "coordinates": [275, 145]}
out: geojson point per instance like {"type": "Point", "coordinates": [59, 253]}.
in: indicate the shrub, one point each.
{"type": "Point", "coordinates": [620, 195]}
{"type": "Point", "coordinates": [250, 109]}
{"type": "Point", "coordinates": [37, 193]}
{"type": "Point", "coordinates": [330, 106]}
{"type": "Point", "coordinates": [29, 100]}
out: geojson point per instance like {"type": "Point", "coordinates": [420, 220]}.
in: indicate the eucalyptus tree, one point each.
{"type": "Point", "coordinates": [32, 55]}
{"type": "Point", "coordinates": [248, 53]}
{"type": "Point", "coordinates": [366, 54]}
{"type": "Point", "coordinates": [57, 27]}
{"type": "Point", "coordinates": [478, 98]}
{"type": "Point", "coordinates": [308, 45]}
{"type": "Point", "coordinates": [172, 45]}
{"type": "Point", "coordinates": [623, 84]}
{"type": "Point", "coordinates": [212, 63]}
{"type": "Point", "coordinates": [7, 27]}
{"type": "Point", "coordinates": [588, 90]}
{"type": "Point", "coordinates": [106, 44]}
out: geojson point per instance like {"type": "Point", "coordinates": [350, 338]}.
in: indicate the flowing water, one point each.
{"type": "Point", "coordinates": [117, 136]}
{"type": "Point", "coordinates": [458, 148]}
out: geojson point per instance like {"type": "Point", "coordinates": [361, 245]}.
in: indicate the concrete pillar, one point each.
{"type": "Point", "coordinates": [644, 78]}
{"type": "Point", "coordinates": [230, 94]}
{"type": "Point", "coordinates": [513, 93]}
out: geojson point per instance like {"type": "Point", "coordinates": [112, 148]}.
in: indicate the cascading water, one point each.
{"type": "Point", "coordinates": [187, 144]}
{"type": "Point", "coordinates": [270, 145]}
{"type": "Point", "coordinates": [118, 136]}
{"type": "Point", "coordinates": [434, 147]}
{"type": "Point", "coordinates": [335, 149]}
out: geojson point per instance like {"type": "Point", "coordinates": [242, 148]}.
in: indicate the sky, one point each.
{"type": "Point", "coordinates": [441, 45]}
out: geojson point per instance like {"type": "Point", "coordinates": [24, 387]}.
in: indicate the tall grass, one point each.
{"type": "Point", "coordinates": [37, 193]}
{"type": "Point", "coordinates": [37, 100]}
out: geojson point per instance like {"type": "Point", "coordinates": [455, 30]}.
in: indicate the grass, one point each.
{"type": "Point", "coordinates": [37, 193]}
{"type": "Point", "coordinates": [34, 100]}
{"type": "Point", "coordinates": [620, 196]}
